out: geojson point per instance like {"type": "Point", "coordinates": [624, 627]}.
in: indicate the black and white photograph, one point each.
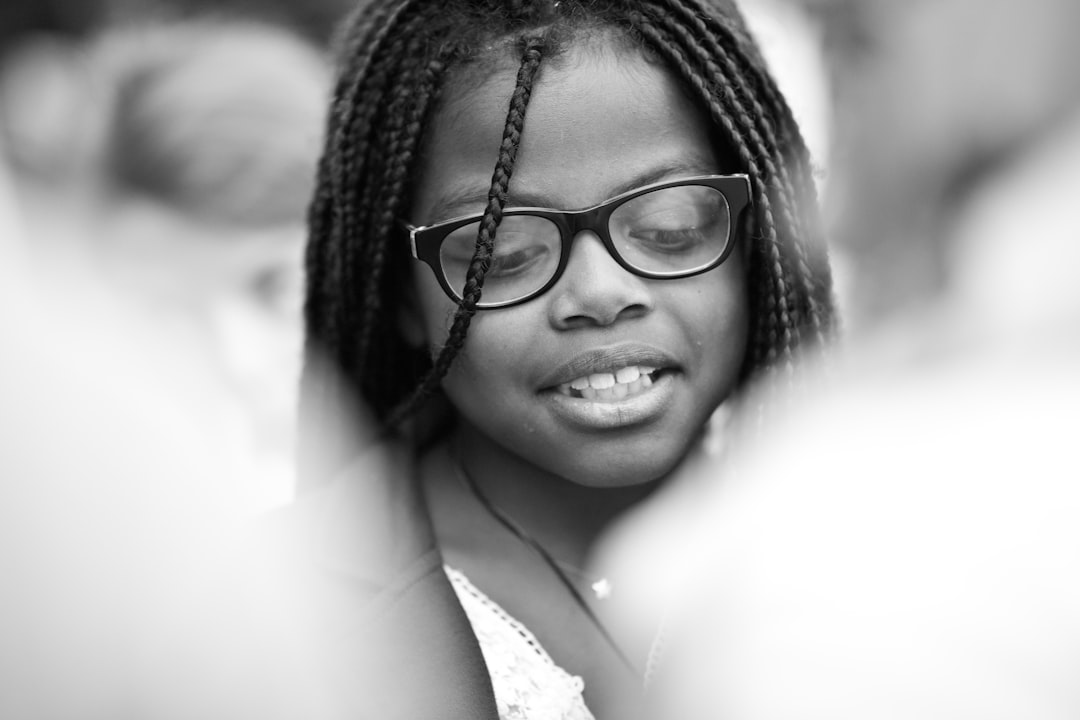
{"type": "Point", "coordinates": [539, 360]}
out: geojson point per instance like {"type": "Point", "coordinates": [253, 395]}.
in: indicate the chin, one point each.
{"type": "Point", "coordinates": [645, 456]}
{"type": "Point", "coordinates": [622, 470]}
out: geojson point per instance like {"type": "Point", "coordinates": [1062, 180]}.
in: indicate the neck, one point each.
{"type": "Point", "coordinates": [563, 516]}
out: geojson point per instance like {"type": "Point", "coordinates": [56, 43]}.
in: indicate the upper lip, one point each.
{"type": "Point", "coordinates": [607, 359]}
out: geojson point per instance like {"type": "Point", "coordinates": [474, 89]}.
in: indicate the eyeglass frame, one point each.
{"type": "Point", "coordinates": [426, 241]}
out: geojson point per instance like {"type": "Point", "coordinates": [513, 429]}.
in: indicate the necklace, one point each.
{"type": "Point", "coordinates": [601, 587]}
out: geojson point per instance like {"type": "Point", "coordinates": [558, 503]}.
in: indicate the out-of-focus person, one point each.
{"type": "Point", "coordinates": [904, 544]}
{"type": "Point", "coordinates": [156, 203]}
{"type": "Point", "coordinates": [168, 167]}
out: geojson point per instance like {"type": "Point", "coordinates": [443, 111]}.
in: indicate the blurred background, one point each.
{"type": "Point", "coordinates": [161, 159]}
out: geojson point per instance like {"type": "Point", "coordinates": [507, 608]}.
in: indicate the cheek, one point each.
{"type": "Point", "coordinates": [730, 292]}
{"type": "Point", "coordinates": [717, 317]}
{"type": "Point", "coordinates": [500, 343]}
{"type": "Point", "coordinates": [434, 311]}
{"type": "Point", "coordinates": [493, 375]}
{"type": "Point", "coordinates": [495, 344]}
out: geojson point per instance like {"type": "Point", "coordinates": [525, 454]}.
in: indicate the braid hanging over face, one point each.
{"type": "Point", "coordinates": [395, 57]}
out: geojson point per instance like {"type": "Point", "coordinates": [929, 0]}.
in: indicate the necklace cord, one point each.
{"type": "Point", "coordinates": [525, 538]}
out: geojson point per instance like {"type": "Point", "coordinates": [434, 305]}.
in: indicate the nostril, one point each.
{"type": "Point", "coordinates": [595, 290]}
{"type": "Point", "coordinates": [602, 317]}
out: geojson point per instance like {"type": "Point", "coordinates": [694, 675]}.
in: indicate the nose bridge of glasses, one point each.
{"type": "Point", "coordinates": [595, 286]}
{"type": "Point", "coordinates": [591, 220]}
{"type": "Point", "coordinates": [588, 248]}
{"type": "Point", "coordinates": [587, 219]}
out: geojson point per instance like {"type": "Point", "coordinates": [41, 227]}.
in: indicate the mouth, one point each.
{"type": "Point", "coordinates": [617, 384]}
{"type": "Point", "coordinates": [613, 387]}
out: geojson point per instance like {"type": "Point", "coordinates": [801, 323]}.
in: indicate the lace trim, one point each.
{"type": "Point", "coordinates": [458, 579]}
{"type": "Point", "coordinates": [528, 684]}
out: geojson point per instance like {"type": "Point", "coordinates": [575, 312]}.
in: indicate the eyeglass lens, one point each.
{"type": "Point", "coordinates": [671, 231]}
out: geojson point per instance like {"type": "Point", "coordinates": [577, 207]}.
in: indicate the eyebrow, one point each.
{"type": "Point", "coordinates": [457, 203]}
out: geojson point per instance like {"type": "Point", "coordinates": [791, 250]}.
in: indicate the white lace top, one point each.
{"type": "Point", "coordinates": [528, 684]}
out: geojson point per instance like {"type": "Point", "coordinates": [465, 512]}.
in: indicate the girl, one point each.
{"type": "Point", "coordinates": [549, 239]}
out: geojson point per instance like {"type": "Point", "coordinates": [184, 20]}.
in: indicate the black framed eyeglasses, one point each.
{"type": "Point", "coordinates": [666, 230]}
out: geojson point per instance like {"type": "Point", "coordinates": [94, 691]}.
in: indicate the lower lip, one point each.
{"type": "Point", "coordinates": [642, 408]}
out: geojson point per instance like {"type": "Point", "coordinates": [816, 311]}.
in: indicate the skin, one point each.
{"type": "Point", "coordinates": [600, 122]}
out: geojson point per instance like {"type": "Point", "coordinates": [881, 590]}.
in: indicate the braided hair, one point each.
{"type": "Point", "coordinates": [394, 59]}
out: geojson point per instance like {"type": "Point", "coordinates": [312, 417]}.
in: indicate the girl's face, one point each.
{"type": "Point", "coordinates": [600, 123]}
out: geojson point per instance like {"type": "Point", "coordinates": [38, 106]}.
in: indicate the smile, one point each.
{"type": "Point", "coordinates": [611, 386]}
{"type": "Point", "coordinates": [641, 401]}
{"type": "Point", "coordinates": [614, 386]}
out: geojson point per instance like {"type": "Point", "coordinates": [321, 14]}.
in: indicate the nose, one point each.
{"type": "Point", "coordinates": [596, 291]}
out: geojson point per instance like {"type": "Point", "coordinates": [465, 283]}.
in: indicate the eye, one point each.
{"type": "Point", "coordinates": [517, 261]}
{"type": "Point", "coordinates": [669, 241]}
{"type": "Point", "coordinates": [673, 225]}
{"type": "Point", "coordinates": [673, 220]}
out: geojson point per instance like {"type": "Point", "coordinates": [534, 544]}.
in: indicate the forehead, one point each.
{"type": "Point", "coordinates": [599, 119]}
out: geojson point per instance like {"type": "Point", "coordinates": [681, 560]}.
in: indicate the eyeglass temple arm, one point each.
{"type": "Point", "coordinates": [412, 230]}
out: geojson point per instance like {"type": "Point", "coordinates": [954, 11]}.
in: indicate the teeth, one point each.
{"type": "Point", "coordinates": [610, 386]}
{"type": "Point", "coordinates": [602, 381]}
